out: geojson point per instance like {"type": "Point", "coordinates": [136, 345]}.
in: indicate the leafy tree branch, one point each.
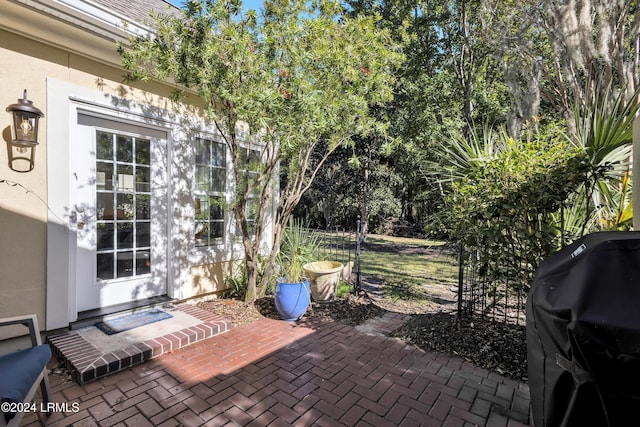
{"type": "Point", "coordinates": [280, 85]}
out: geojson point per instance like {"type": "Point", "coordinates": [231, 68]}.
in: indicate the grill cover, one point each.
{"type": "Point", "coordinates": [583, 334]}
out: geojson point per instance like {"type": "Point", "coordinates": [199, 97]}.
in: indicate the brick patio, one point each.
{"type": "Point", "coordinates": [276, 373]}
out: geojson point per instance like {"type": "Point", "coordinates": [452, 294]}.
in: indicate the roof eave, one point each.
{"type": "Point", "coordinates": [81, 27]}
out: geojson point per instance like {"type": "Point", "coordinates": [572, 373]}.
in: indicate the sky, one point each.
{"type": "Point", "coordinates": [248, 4]}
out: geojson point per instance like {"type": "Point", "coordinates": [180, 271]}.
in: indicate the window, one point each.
{"type": "Point", "coordinates": [123, 202]}
{"type": "Point", "coordinates": [211, 172]}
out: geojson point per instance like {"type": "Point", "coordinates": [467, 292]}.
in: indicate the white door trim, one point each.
{"type": "Point", "coordinates": [64, 102]}
{"type": "Point", "coordinates": [91, 292]}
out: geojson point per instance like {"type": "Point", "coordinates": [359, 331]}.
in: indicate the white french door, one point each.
{"type": "Point", "coordinates": [119, 212]}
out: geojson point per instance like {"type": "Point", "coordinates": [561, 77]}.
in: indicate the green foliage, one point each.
{"type": "Point", "coordinates": [516, 202]}
{"type": "Point", "coordinates": [344, 288]}
{"type": "Point", "coordinates": [604, 131]}
{"type": "Point", "coordinates": [429, 101]}
{"type": "Point", "coordinates": [340, 190]}
{"type": "Point", "coordinates": [236, 282]}
{"type": "Point", "coordinates": [506, 202]}
{"type": "Point", "coordinates": [299, 246]}
{"type": "Point", "coordinates": [300, 75]}
{"type": "Point", "coordinates": [504, 63]}
{"type": "Point", "coordinates": [619, 208]}
{"type": "Point", "coordinates": [382, 202]}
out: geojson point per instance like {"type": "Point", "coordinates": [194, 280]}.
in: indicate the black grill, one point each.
{"type": "Point", "coordinates": [583, 334]}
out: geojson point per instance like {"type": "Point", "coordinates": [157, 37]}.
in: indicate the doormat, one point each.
{"type": "Point", "coordinates": [131, 321]}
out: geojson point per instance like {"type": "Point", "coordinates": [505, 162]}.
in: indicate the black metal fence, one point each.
{"type": "Point", "coordinates": [343, 246]}
{"type": "Point", "coordinates": [478, 296]}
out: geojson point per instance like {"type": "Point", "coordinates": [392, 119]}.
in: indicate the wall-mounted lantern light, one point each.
{"type": "Point", "coordinates": [24, 134]}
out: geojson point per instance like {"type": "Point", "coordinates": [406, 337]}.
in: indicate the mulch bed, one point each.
{"type": "Point", "coordinates": [493, 345]}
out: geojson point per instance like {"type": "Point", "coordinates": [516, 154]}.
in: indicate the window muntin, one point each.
{"type": "Point", "coordinates": [211, 173]}
{"type": "Point", "coordinates": [123, 205]}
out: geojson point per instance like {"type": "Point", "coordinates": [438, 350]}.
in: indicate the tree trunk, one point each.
{"type": "Point", "coordinates": [365, 202]}
{"type": "Point", "coordinates": [251, 255]}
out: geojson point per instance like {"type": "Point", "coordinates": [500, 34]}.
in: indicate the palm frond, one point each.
{"type": "Point", "coordinates": [604, 125]}
{"type": "Point", "coordinates": [456, 158]}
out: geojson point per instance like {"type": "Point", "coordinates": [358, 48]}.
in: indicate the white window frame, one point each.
{"type": "Point", "coordinates": [221, 193]}
{"type": "Point", "coordinates": [230, 248]}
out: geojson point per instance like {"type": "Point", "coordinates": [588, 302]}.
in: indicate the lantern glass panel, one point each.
{"type": "Point", "coordinates": [25, 127]}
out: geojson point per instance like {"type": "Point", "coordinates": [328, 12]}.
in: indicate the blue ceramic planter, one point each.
{"type": "Point", "coordinates": [292, 299]}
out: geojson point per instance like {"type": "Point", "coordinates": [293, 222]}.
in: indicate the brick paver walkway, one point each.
{"type": "Point", "coordinates": [277, 373]}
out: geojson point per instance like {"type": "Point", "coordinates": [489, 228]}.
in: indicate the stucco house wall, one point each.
{"type": "Point", "coordinates": [71, 68]}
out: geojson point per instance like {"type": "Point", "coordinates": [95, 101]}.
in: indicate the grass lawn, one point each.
{"type": "Point", "coordinates": [410, 269]}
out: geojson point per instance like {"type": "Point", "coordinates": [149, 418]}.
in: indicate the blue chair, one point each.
{"type": "Point", "coordinates": [21, 372]}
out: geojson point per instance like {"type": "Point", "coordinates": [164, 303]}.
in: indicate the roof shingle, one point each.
{"type": "Point", "coordinates": [139, 10]}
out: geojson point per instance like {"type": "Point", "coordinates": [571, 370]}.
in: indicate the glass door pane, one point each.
{"type": "Point", "coordinates": [123, 199]}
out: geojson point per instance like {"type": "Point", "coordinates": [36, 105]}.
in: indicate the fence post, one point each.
{"type": "Point", "coordinates": [357, 266]}
{"type": "Point", "coordinates": [460, 279]}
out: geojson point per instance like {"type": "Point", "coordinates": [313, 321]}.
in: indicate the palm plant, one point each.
{"type": "Point", "coordinates": [619, 214]}
{"type": "Point", "coordinates": [460, 155]}
{"type": "Point", "coordinates": [507, 198]}
{"type": "Point", "coordinates": [604, 131]}
{"type": "Point", "coordinates": [298, 247]}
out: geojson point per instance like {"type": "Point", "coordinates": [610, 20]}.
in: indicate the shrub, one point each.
{"type": "Point", "coordinates": [508, 207]}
